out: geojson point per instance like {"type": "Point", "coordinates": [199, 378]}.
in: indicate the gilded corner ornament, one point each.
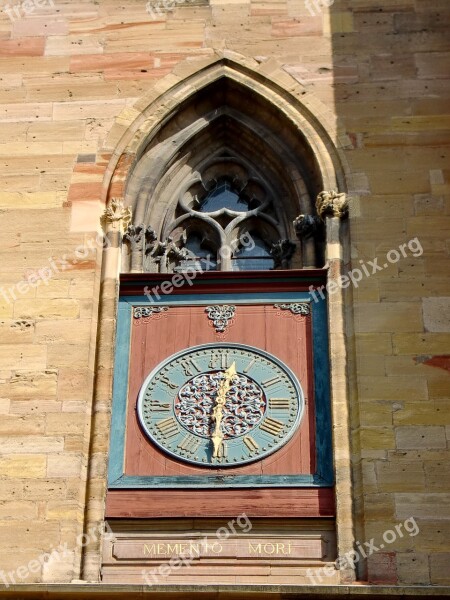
{"type": "Point", "coordinates": [148, 311]}
{"type": "Point", "coordinates": [296, 308]}
{"type": "Point", "coordinates": [220, 315]}
{"type": "Point", "coordinates": [116, 214]}
{"type": "Point", "coordinates": [332, 204]}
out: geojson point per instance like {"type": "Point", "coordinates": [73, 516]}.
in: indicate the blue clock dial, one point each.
{"type": "Point", "coordinates": [219, 405]}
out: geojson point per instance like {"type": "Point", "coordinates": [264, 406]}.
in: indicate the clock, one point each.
{"type": "Point", "coordinates": [220, 405]}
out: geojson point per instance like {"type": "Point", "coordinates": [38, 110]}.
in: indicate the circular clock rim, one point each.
{"type": "Point", "coordinates": [293, 377]}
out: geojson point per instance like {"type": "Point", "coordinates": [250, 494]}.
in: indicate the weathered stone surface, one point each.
{"type": "Point", "coordinates": [30, 466]}
{"type": "Point", "coordinates": [432, 507]}
{"type": "Point", "coordinates": [63, 465]}
{"type": "Point", "coordinates": [420, 437]}
{"type": "Point", "coordinates": [436, 314]}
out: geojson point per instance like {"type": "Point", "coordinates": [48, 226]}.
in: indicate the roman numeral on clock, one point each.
{"type": "Point", "coordinates": [219, 360]}
{"type": "Point", "coordinates": [250, 443]}
{"type": "Point", "coordinates": [170, 384]}
{"type": "Point", "coordinates": [190, 367]}
{"type": "Point", "coordinates": [222, 451]}
{"type": "Point", "coordinates": [278, 403]}
{"type": "Point", "coordinates": [273, 381]}
{"type": "Point", "coordinates": [250, 365]}
{"type": "Point", "coordinates": [168, 427]}
{"type": "Point", "coordinates": [160, 406]}
{"type": "Point", "coordinates": [189, 444]}
{"type": "Point", "coordinates": [272, 426]}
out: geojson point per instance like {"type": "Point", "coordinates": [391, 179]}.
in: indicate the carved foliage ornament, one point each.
{"type": "Point", "coordinates": [245, 404]}
{"type": "Point", "coordinates": [117, 214]}
{"type": "Point", "coordinates": [332, 204]}
{"type": "Point", "coordinates": [134, 234]}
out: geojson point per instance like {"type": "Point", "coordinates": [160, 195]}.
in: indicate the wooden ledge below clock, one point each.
{"type": "Point", "coordinates": [273, 502]}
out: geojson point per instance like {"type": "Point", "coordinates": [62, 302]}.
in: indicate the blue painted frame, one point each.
{"type": "Point", "coordinates": [324, 474]}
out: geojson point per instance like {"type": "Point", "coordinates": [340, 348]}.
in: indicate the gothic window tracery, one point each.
{"type": "Point", "coordinates": [224, 166]}
{"type": "Point", "coordinates": [225, 219]}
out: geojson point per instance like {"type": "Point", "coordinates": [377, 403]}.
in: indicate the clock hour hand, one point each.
{"type": "Point", "coordinates": [217, 436]}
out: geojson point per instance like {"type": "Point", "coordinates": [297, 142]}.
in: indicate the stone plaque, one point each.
{"type": "Point", "coordinates": [162, 549]}
{"type": "Point", "coordinates": [171, 552]}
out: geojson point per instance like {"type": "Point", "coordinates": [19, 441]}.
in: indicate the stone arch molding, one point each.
{"type": "Point", "coordinates": [210, 116]}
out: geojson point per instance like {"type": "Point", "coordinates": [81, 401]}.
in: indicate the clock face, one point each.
{"type": "Point", "coordinates": [219, 405]}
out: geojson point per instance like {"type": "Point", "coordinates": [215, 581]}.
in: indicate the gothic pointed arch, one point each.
{"type": "Point", "coordinates": [225, 132]}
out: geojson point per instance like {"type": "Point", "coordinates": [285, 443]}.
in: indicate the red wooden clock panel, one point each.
{"type": "Point", "coordinates": [281, 333]}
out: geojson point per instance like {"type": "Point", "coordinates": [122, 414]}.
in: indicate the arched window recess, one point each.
{"type": "Point", "coordinates": [225, 184]}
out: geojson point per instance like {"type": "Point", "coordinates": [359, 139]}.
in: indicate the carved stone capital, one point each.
{"type": "Point", "coordinates": [332, 204]}
{"type": "Point", "coordinates": [116, 215]}
{"type": "Point", "coordinates": [307, 226]}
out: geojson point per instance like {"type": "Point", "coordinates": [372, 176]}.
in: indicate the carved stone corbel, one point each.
{"type": "Point", "coordinates": [134, 235]}
{"type": "Point", "coordinates": [116, 216]}
{"type": "Point", "coordinates": [115, 220]}
{"type": "Point", "coordinates": [310, 232]}
{"type": "Point", "coordinates": [151, 250]}
{"type": "Point", "coordinates": [307, 226]}
{"type": "Point", "coordinates": [282, 252]}
{"type": "Point", "coordinates": [332, 204]}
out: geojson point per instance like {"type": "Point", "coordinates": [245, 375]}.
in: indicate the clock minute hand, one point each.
{"type": "Point", "coordinates": [217, 436]}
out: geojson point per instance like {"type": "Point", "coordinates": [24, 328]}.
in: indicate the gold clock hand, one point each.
{"type": "Point", "coordinates": [217, 436]}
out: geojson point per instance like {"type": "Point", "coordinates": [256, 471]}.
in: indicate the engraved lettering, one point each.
{"type": "Point", "coordinates": [269, 548]}
{"type": "Point", "coordinates": [282, 549]}
{"type": "Point", "coordinates": [216, 548]}
{"type": "Point", "coordinates": [149, 549]}
{"type": "Point", "coordinates": [183, 548]}
{"type": "Point", "coordinates": [195, 549]}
